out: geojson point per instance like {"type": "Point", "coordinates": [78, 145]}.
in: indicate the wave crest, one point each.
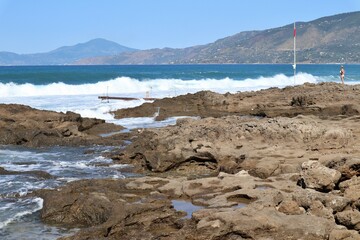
{"type": "Point", "coordinates": [164, 87]}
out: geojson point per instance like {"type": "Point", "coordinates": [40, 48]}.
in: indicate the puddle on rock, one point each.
{"type": "Point", "coordinates": [242, 200]}
{"type": "Point", "coordinates": [263, 187]}
{"type": "Point", "coordinates": [240, 205]}
{"type": "Point", "coordinates": [185, 206]}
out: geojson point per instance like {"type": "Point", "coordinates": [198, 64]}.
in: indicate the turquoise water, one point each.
{"type": "Point", "coordinates": [77, 75]}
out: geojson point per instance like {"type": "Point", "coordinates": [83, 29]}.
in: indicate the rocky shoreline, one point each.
{"type": "Point", "coordinates": [271, 164]}
{"type": "Point", "coordinates": [23, 125]}
{"type": "Point", "coordinates": [324, 100]}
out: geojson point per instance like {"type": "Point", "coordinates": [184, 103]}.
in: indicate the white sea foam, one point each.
{"type": "Point", "coordinates": [68, 179]}
{"type": "Point", "coordinates": [68, 164]}
{"type": "Point", "coordinates": [15, 154]}
{"type": "Point", "coordinates": [83, 99]}
{"type": "Point", "coordinates": [119, 166]}
{"type": "Point", "coordinates": [34, 205]}
{"type": "Point", "coordinates": [157, 87]}
{"type": "Point", "coordinates": [145, 122]}
{"type": "Point", "coordinates": [21, 187]}
{"type": "Point", "coordinates": [118, 176]}
{"type": "Point", "coordinates": [21, 168]}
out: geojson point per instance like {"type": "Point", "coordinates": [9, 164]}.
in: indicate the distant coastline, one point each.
{"type": "Point", "coordinates": [315, 45]}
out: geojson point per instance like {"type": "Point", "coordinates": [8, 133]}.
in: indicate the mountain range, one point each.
{"type": "Point", "coordinates": [332, 39]}
{"type": "Point", "coordinates": [66, 55]}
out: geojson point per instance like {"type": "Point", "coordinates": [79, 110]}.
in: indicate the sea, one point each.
{"type": "Point", "coordinates": [77, 88]}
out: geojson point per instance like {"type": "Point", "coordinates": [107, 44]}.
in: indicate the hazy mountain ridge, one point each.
{"type": "Point", "coordinates": [67, 54]}
{"type": "Point", "coordinates": [332, 39]}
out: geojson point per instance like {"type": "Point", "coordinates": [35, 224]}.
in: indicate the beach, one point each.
{"type": "Point", "coordinates": [269, 161]}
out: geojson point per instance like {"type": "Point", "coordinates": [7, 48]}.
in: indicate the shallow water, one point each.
{"type": "Point", "coordinates": [19, 216]}
{"type": "Point", "coordinates": [240, 205]}
{"type": "Point", "coordinates": [146, 122]}
{"type": "Point", "coordinates": [263, 187]}
{"type": "Point", "coordinates": [185, 206]}
{"type": "Point", "coordinates": [28, 227]}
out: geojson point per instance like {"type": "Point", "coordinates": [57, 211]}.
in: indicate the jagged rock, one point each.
{"type": "Point", "coordinates": [266, 167]}
{"type": "Point", "coordinates": [307, 99]}
{"type": "Point", "coordinates": [232, 206]}
{"type": "Point", "coordinates": [349, 218]}
{"type": "Point", "coordinates": [316, 176]}
{"type": "Point", "coordinates": [290, 208]}
{"type": "Point", "coordinates": [318, 209]}
{"type": "Point", "coordinates": [36, 173]}
{"type": "Point", "coordinates": [348, 167]}
{"type": "Point", "coordinates": [22, 125]}
{"type": "Point", "coordinates": [351, 188]}
{"type": "Point", "coordinates": [241, 171]}
{"type": "Point", "coordinates": [344, 234]}
{"type": "Point", "coordinates": [207, 146]}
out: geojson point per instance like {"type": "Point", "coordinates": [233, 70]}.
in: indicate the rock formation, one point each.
{"type": "Point", "coordinates": [324, 100]}
{"type": "Point", "coordinates": [22, 125]}
{"type": "Point", "coordinates": [273, 164]}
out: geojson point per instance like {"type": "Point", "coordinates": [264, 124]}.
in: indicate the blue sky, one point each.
{"type": "Point", "coordinates": [30, 26]}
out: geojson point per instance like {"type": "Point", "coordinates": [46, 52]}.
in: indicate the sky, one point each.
{"type": "Point", "coordinates": [33, 26]}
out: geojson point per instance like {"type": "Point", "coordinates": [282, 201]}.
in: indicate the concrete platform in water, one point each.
{"type": "Point", "coordinates": [126, 98]}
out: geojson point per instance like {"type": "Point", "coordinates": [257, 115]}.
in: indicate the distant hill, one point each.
{"type": "Point", "coordinates": [66, 55]}
{"type": "Point", "coordinates": [333, 39]}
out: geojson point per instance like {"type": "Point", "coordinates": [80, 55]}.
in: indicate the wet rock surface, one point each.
{"type": "Point", "coordinates": [272, 164]}
{"type": "Point", "coordinates": [324, 99]}
{"type": "Point", "coordinates": [23, 125]}
{"type": "Point", "coordinates": [263, 146]}
{"type": "Point", "coordinates": [232, 208]}
{"type": "Point", "coordinates": [36, 173]}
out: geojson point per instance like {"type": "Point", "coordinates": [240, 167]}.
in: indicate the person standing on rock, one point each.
{"type": "Point", "coordinates": [342, 74]}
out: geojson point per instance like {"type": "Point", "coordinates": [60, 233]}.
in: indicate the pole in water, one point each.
{"type": "Point", "coordinates": [294, 66]}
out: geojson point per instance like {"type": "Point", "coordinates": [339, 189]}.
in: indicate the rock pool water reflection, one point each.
{"type": "Point", "coordinates": [185, 206]}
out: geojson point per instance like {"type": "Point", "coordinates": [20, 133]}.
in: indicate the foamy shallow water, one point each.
{"type": "Point", "coordinates": [66, 164]}
{"type": "Point", "coordinates": [83, 98]}
{"type": "Point", "coordinates": [28, 227]}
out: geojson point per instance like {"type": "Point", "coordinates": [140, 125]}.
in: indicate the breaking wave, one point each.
{"type": "Point", "coordinates": [157, 87]}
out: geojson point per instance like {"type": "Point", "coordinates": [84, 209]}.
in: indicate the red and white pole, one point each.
{"type": "Point", "coordinates": [294, 66]}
